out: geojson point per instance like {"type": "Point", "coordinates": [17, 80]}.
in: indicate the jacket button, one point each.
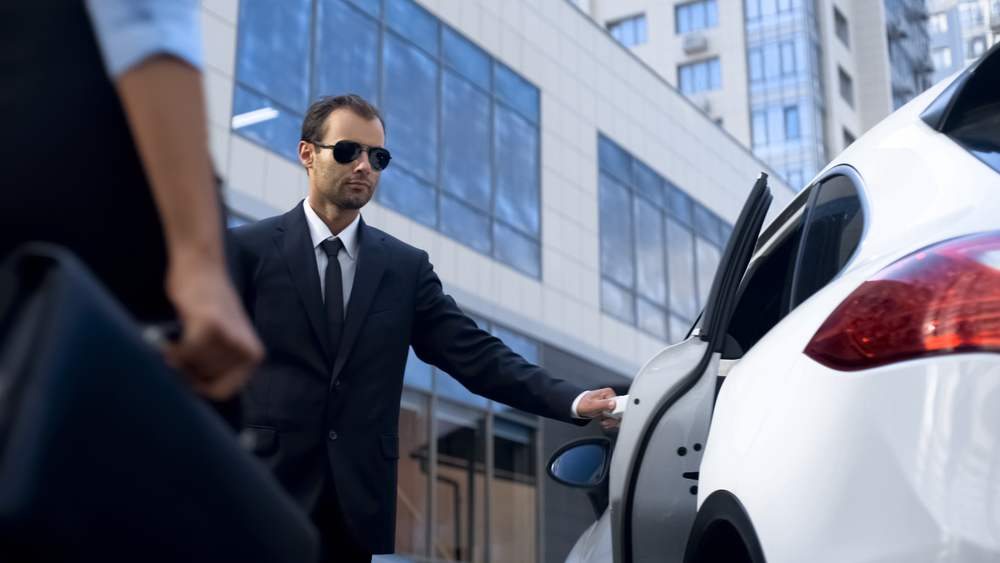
{"type": "Point", "coordinates": [333, 435]}
{"type": "Point", "coordinates": [336, 381]}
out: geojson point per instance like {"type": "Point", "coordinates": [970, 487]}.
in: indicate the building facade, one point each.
{"type": "Point", "coordinates": [571, 200]}
{"type": "Point", "coordinates": [797, 81]}
{"type": "Point", "coordinates": [960, 32]}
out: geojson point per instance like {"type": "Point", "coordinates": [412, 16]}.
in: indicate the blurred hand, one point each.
{"type": "Point", "coordinates": [218, 348]}
{"type": "Point", "coordinates": [594, 403]}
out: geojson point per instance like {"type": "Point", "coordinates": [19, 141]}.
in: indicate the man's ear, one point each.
{"type": "Point", "coordinates": [307, 152]}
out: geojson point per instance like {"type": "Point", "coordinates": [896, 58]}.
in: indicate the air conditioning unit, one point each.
{"type": "Point", "coordinates": [695, 43]}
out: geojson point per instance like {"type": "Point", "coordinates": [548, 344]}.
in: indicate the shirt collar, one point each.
{"type": "Point", "coordinates": [319, 232]}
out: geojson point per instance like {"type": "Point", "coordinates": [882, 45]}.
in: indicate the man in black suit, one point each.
{"type": "Point", "coordinates": [337, 304]}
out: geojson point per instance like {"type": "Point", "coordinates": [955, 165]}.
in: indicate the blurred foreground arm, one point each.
{"type": "Point", "coordinates": [162, 97]}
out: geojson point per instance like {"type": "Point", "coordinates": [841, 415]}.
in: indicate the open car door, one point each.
{"type": "Point", "coordinates": [654, 469]}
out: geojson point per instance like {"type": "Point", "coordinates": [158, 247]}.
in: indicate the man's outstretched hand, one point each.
{"type": "Point", "coordinates": [594, 403]}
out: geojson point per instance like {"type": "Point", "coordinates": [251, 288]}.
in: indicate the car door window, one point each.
{"type": "Point", "coordinates": [836, 223]}
{"type": "Point", "coordinates": [764, 297]}
{"type": "Point", "coordinates": [799, 253]}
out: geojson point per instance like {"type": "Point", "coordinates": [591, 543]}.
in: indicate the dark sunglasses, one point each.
{"type": "Point", "coordinates": [349, 151]}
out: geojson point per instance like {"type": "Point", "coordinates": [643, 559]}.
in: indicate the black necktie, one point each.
{"type": "Point", "coordinates": [334, 294]}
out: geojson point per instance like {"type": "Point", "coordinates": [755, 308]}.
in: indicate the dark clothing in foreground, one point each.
{"type": "Point", "coordinates": [321, 414]}
{"type": "Point", "coordinates": [69, 170]}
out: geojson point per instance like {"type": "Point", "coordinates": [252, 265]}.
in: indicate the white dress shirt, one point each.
{"type": "Point", "coordinates": [348, 255]}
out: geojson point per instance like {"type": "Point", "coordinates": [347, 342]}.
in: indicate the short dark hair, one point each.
{"type": "Point", "coordinates": [314, 125]}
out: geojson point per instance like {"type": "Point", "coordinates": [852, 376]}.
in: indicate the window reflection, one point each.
{"type": "Point", "coordinates": [471, 98]}
{"type": "Point", "coordinates": [513, 498]}
{"type": "Point", "coordinates": [459, 523]}
{"type": "Point", "coordinates": [413, 475]}
{"type": "Point", "coordinates": [648, 255]}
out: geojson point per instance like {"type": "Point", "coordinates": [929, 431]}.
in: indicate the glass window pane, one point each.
{"type": "Point", "coordinates": [772, 62]}
{"type": "Point", "coordinates": [759, 128]}
{"type": "Point", "coordinates": [683, 19]}
{"type": "Point", "coordinates": [715, 74]}
{"type": "Point", "coordinates": [617, 302]}
{"type": "Point", "coordinates": [346, 51]}
{"type": "Point", "coordinates": [521, 345]}
{"type": "Point", "coordinates": [787, 57]}
{"type": "Point", "coordinates": [512, 89]}
{"type": "Point", "coordinates": [513, 526]}
{"type": "Point", "coordinates": [258, 120]}
{"type": "Point", "coordinates": [833, 234]}
{"type": "Point", "coordinates": [465, 225]}
{"type": "Point", "coordinates": [708, 261]}
{"type": "Point", "coordinates": [407, 195]}
{"type": "Point", "coordinates": [687, 79]}
{"type": "Point", "coordinates": [628, 32]}
{"type": "Point", "coordinates": [465, 127]}
{"type": "Point", "coordinates": [410, 85]}
{"type": "Point", "coordinates": [466, 58]}
{"type": "Point", "coordinates": [613, 159]}
{"type": "Point", "coordinates": [650, 268]}
{"type": "Point", "coordinates": [756, 65]}
{"type": "Point", "coordinates": [680, 205]}
{"type": "Point", "coordinates": [413, 475]}
{"type": "Point", "coordinates": [273, 50]}
{"type": "Point", "coordinates": [417, 372]}
{"type": "Point", "coordinates": [616, 231]}
{"type": "Point", "coordinates": [459, 524]}
{"type": "Point", "coordinates": [516, 150]}
{"type": "Point", "coordinates": [775, 124]}
{"type": "Point", "coordinates": [516, 250]}
{"type": "Point", "coordinates": [680, 265]}
{"type": "Point", "coordinates": [649, 183]}
{"type": "Point", "coordinates": [698, 15]}
{"type": "Point", "coordinates": [792, 122]}
{"type": "Point", "coordinates": [706, 223]}
{"type": "Point", "coordinates": [413, 23]}
{"type": "Point", "coordinates": [678, 329]}
{"type": "Point", "coordinates": [700, 77]}
{"type": "Point", "coordinates": [711, 13]}
{"type": "Point", "coordinates": [640, 30]}
{"type": "Point", "coordinates": [371, 6]}
{"type": "Point", "coordinates": [652, 319]}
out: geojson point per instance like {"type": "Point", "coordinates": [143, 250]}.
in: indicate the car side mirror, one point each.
{"type": "Point", "coordinates": [581, 463]}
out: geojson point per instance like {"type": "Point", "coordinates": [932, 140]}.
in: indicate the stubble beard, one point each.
{"type": "Point", "coordinates": [340, 195]}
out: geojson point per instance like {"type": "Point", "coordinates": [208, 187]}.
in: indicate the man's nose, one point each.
{"type": "Point", "coordinates": [362, 164]}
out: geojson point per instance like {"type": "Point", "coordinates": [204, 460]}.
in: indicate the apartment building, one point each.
{"type": "Point", "coordinates": [960, 32]}
{"type": "Point", "coordinates": [795, 80]}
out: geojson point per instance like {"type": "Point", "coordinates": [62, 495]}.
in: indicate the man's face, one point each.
{"type": "Point", "coordinates": [351, 185]}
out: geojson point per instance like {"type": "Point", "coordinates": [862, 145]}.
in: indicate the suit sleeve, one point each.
{"type": "Point", "coordinates": [234, 261]}
{"type": "Point", "coordinates": [448, 339]}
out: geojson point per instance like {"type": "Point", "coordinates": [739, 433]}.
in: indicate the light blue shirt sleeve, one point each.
{"type": "Point", "coordinates": [130, 31]}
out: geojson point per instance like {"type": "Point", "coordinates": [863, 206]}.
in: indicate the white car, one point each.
{"type": "Point", "coordinates": [839, 399]}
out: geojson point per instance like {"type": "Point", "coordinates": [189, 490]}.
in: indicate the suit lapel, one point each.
{"type": "Point", "coordinates": [373, 255]}
{"type": "Point", "coordinates": [296, 247]}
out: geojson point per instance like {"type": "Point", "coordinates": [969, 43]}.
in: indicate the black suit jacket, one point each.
{"type": "Point", "coordinates": [316, 410]}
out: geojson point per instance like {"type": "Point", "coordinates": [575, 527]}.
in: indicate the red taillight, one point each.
{"type": "Point", "coordinates": [943, 299]}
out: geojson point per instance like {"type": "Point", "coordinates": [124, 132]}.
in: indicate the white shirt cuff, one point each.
{"type": "Point", "coordinates": [572, 410]}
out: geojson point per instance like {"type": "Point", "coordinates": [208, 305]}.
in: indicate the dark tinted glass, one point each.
{"type": "Point", "coordinates": [465, 126]}
{"type": "Point", "coordinates": [370, 6]}
{"type": "Point", "coordinates": [410, 79]}
{"type": "Point", "coordinates": [836, 223]}
{"type": "Point", "coordinates": [346, 51]}
{"type": "Point", "coordinates": [649, 183]}
{"type": "Point", "coordinates": [680, 205]}
{"type": "Point", "coordinates": [581, 466]}
{"type": "Point", "coordinates": [650, 268]}
{"type": "Point", "coordinates": [274, 50]}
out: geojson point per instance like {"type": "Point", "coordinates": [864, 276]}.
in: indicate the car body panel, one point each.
{"type": "Point", "coordinates": [594, 545]}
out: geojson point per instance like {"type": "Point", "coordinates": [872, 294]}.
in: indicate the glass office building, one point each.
{"type": "Point", "coordinates": [787, 101]}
